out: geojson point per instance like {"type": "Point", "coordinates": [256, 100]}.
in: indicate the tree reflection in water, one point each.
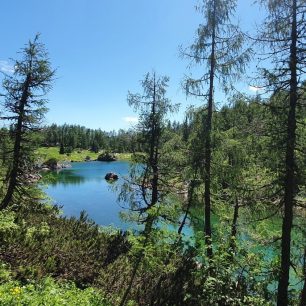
{"type": "Point", "coordinates": [63, 177]}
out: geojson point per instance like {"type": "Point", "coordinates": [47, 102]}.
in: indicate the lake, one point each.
{"type": "Point", "coordinates": [83, 187]}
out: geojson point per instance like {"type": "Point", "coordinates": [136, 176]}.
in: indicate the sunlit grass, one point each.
{"type": "Point", "coordinates": [77, 155]}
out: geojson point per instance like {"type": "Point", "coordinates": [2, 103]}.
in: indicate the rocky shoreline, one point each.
{"type": "Point", "coordinates": [53, 165]}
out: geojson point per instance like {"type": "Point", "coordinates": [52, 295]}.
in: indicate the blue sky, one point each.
{"type": "Point", "coordinates": [102, 49]}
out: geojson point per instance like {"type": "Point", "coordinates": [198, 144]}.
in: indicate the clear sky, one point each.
{"type": "Point", "coordinates": [103, 48]}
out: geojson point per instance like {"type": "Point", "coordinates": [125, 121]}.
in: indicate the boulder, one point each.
{"type": "Point", "coordinates": [45, 169]}
{"type": "Point", "coordinates": [54, 164]}
{"type": "Point", "coordinates": [111, 176]}
{"type": "Point", "coordinates": [51, 164]}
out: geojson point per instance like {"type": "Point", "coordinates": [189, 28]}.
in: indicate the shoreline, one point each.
{"type": "Point", "coordinates": [43, 154]}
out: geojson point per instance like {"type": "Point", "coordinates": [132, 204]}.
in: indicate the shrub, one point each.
{"type": "Point", "coordinates": [48, 292]}
{"type": "Point", "coordinates": [106, 157]}
{"type": "Point", "coordinates": [44, 244]}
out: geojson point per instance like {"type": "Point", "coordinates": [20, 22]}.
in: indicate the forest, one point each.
{"type": "Point", "coordinates": [219, 198]}
{"type": "Point", "coordinates": [71, 137]}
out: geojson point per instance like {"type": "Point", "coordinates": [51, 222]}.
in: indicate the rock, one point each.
{"type": "Point", "coordinates": [45, 169]}
{"type": "Point", "coordinates": [32, 178]}
{"type": "Point", "coordinates": [65, 165]}
{"type": "Point", "coordinates": [53, 164]}
{"type": "Point", "coordinates": [111, 176]}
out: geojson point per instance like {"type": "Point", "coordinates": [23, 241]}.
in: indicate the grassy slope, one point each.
{"type": "Point", "coordinates": [44, 154]}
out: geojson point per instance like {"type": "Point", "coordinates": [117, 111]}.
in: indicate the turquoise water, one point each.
{"type": "Point", "coordinates": [83, 187]}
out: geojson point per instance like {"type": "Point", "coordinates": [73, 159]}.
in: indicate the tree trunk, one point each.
{"type": "Point", "coordinates": [289, 180]}
{"type": "Point", "coordinates": [303, 293]}
{"type": "Point", "coordinates": [153, 162]}
{"type": "Point", "coordinates": [13, 176]}
{"type": "Point", "coordinates": [234, 226]}
{"type": "Point", "coordinates": [207, 163]}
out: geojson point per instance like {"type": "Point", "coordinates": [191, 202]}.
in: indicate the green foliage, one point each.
{"type": "Point", "coordinates": [24, 109]}
{"type": "Point", "coordinates": [218, 46]}
{"type": "Point", "coordinates": [173, 268]}
{"type": "Point", "coordinates": [106, 156]}
{"type": "Point", "coordinates": [46, 259]}
{"type": "Point", "coordinates": [71, 137]}
{"type": "Point", "coordinates": [7, 222]}
{"type": "Point", "coordinates": [62, 149]}
{"type": "Point", "coordinates": [44, 244]}
{"type": "Point", "coordinates": [48, 292]}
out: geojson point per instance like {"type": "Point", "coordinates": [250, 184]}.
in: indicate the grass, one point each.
{"type": "Point", "coordinates": [77, 155]}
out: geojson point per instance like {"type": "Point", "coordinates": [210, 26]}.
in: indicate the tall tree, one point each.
{"type": "Point", "coordinates": [25, 107]}
{"type": "Point", "coordinates": [218, 46]}
{"type": "Point", "coordinates": [152, 107]}
{"type": "Point", "coordinates": [284, 35]}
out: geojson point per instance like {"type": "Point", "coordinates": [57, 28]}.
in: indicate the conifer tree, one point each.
{"type": "Point", "coordinates": [218, 47]}
{"type": "Point", "coordinates": [152, 107]}
{"type": "Point", "coordinates": [284, 39]}
{"type": "Point", "coordinates": [24, 109]}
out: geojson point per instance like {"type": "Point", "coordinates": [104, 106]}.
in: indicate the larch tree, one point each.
{"type": "Point", "coordinates": [218, 47]}
{"type": "Point", "coordinates": [283, 36]}
{"type": "Point", "coordinates": [24, 109]}
{"type": "Point", "coordinates": [152, 106]}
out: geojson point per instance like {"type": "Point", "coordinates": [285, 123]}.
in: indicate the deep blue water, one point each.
{"type": "Point", "coordinates": [83, 187]}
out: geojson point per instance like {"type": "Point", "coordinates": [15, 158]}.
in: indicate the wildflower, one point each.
{"type": "Point", "coordinates": [16, 290]}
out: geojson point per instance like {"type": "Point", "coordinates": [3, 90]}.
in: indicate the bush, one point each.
{"type": "Point", "coordinates": [44, 244]}
{"type": "Point", "coordinates": [106, 157]}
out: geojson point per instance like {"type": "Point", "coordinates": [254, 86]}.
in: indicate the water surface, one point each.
{"type": "Point", "coordinates": [83, 187]}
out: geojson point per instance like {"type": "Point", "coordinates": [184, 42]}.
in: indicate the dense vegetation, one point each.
{"type": "Point", "coordinates": [70, 137]}
{"type": "Point", "coordinates": [220, 197]}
